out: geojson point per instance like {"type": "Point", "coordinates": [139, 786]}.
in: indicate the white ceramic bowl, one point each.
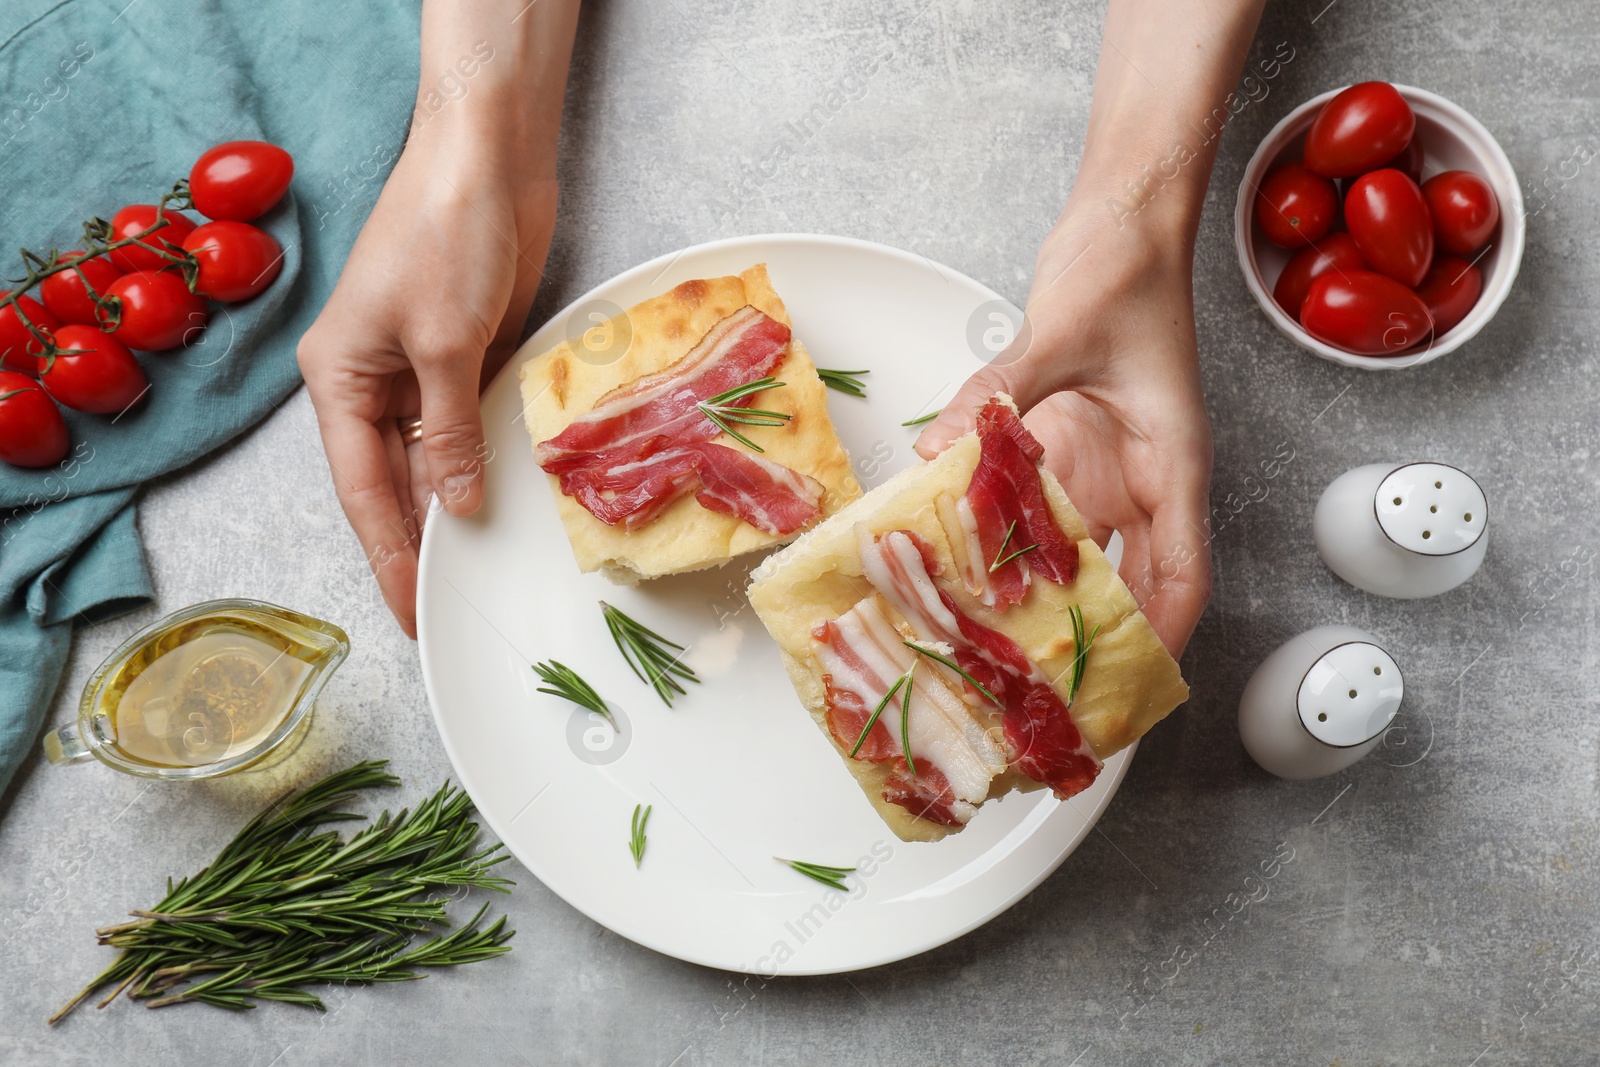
{"type": "Point", "coordinates": [1451, 140]}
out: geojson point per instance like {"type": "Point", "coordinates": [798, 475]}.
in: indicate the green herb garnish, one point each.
{"type": "Point", "coordinates": [1000, 557]}
{"type": "Point", "coordinates": [648, 653]}
{"type": "Point", "coordinates": [905, 716]}
{"type": "Point", "coordinates": [846, 381]}
{"type": "Point", "coordinates": [1080, 644]}
{"type": "Point", "coordinates": [920, 419]}
{"type": "Point", "coordinates": [636, 841]}
{"type": "Point", "coordinates": [285, 905]}
{"type": "Point", "coordinates": [723, 411]}
{"type": "Point", "coordinates": [948, 662]}
{"type": "Point", "coordinates": [872, 721]}
{"type": "Point", "coordinates": [832, 877]}
{"type": "Point", "coordinates": [562, 681]}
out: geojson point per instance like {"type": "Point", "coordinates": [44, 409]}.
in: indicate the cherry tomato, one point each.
{"type": "Point", "coordinates": [92, 371]}
{"type": "Point", "coordinates": [136, 218]}
{"type": "Point", "coordinates": [158, 310]}
{"type": "Point", "coordinates": [236, 260]}
{"type": "Point", "coordinates": [1363, 127]}
{"type": "Point", "coordinates": [1389, 220]}
{"type": "Point", "coordinates": [17, 343]}
{"type": "Point", "coordinates": [1335, 251]}
{"type": "Point", "coordinates": [65, 296]}
{"type": "Point", "coordinates": [32, 432]}
{"type": "Point", "coordinates": [240, 180]}
{"type": "Point", "coordinates": [1295, 207]}
{"type": "Point", "coordinates": [1409, 161]}
{"type": "Point", "coordinates": [1450, 290]}
{"type": "Point", "coordinates": [1464, 209]}
{"type": "Point", "coordinates": [1364, 312]}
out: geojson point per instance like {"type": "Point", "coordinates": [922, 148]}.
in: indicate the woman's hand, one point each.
{"type": "Point", "coordinates": [431, 303]}
{"type": "Point", "coordinates": [437, 289]}
{"type": "Point", "coordinates": [1106, 373]}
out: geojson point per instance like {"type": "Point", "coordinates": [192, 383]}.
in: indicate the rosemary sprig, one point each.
{"type": "Point", "coordinates": [905, 717]}
{"type": "Point", "coordinates": [832, 877]}
{"type": "Point", "coordinates": [920, 419]}
{"type": "Point", "coordinates": [845, 381]}
{"type": "Point", "coordinates": [648, 653]}
{"type": "Point", "coordinates": [636, 840]}
{"type": "Point", "coordinates": [1080, 644]}
{"type": "Point", "coordinates": [948, 662]}
{"type": "Point", "coordinates": [878, 711]}
{"type": "Point", "coordinates": [724, 410]}
{"type": "Point", "coordinates": [562, 681]}
{"type": "Point", "coordinates": [286, 905]}
{"type": "Point", "coordinates": [1000, 557]}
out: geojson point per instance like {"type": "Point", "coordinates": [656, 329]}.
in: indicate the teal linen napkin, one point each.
{"type": "Point", "coordinates": [105, 103]}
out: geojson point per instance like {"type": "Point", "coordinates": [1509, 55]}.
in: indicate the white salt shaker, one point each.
{"type": "Point", "coordinates": [1406, 531]}
{"type": "Point", "coordinates": [1320, 702]}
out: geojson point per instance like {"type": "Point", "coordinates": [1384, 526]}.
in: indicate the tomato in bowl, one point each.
{"type": "Point", "coordinates": [1451, 140]}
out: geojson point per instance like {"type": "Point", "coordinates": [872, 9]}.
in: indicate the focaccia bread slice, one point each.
{"type": "Point", "coordinates": [1129, 684]}
{"type": "Point", "coordinates": [560, 385]}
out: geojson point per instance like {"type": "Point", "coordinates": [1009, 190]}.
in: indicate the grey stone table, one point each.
{"type": "Point", "coordinates": [1438, 902]}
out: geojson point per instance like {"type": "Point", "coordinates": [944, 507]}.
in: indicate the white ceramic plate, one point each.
{"type": "Point", "coordinates": [736, 771]}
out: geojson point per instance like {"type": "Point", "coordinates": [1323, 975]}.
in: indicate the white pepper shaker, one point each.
{"type": "Point", "coordinates": [1405, 531]}
{"type": "Point", "coordinates": [1319, 702]}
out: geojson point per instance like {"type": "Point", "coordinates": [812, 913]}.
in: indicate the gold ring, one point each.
{"type": "Point", "coordinates": [410, 430]}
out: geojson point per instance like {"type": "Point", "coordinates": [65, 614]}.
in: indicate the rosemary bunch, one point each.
{"type": "Point", "coordinates": [287, 904]}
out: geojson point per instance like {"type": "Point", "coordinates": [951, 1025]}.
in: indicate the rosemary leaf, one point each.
{"type": "Point", "coordinates": [1080, 644]}
{"type": "Point", "coordinates": [1000, 557]}
{"type": "Point", "coordinates": [636, 841]}
{"type": "Point", "coordinates": [724, 410]}
{"type": "Point", "coordinates": [876, 712]}
{"type": "Point", "coordinates": [905, 717]}
{"type": "Point", "coordinates": [920, 419]}
{"type": "Point", "coordinates": [649, 654]}
{"type": "Point", "coordinates": [562, 681]}
{"type": "Point", "coordinates": [832, 877]}
{"type": "Point", "coordinates": [845, 381]}
{"type": "Point", "coordinates": [948, 662]}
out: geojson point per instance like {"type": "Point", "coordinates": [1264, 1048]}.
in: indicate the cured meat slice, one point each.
{"type": "Point", "coordinates": [648, 443]}
{"type": "Point", "coordinates": [742, 348]}
{"type": "Point", "coordinates": [926, 795]}
{"type": "Point", "coordinates": [767, 495]}
{"type": "Point", "coordinates": [862, 655]}
{"type": "Point", "coordinates": [1041, 739]}
{"type": "Point", "coordinates": [1015, 527]}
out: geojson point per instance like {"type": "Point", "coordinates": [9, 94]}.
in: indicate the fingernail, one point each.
{"type": "Point", "coordinates": [456, 487]}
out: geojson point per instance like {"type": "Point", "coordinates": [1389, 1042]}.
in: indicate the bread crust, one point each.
{"type": "Point", "coordinates": [560, 385]}
{"type": "Point", "coordinates": [1130, 682]}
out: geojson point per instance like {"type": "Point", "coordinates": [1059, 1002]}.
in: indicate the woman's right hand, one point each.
{"type": "Point", "coordinates": [435, 294]}
{"type": "Point", "coordinates": [431, 303]}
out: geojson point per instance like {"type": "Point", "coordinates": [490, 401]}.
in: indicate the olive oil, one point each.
{"type": "Point", "coordinates": [208, 696]}
{"type": "Point", "coordinates": [206, 691]}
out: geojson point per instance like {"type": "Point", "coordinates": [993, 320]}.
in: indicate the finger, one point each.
{"type": "Point", "coordinates": [452, 426]}
{"type": "Point", "coordinates": [1178, 565]}
{"type": "Point", "coordinates": [364, 482]}
{"type": "Point", "coordinates": [1020, 371]}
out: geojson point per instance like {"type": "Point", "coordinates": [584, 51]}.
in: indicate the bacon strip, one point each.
{"type": "Point", "coordinates": [1041, 738]}
{"type": "Point", "coordinates": [1005, 490]}
{"type": "Point", "coordinates": [742, 348]}
{"type": "Point", "coordinates": [767, 495]}
{"type": "Point", "coordinates": [927, 795]}
{"type": "Point", "coordinates": [862, 655]}
{"type": "Point", "coordinates": [853, 689]}
{"type": "Point", "coordinates": [647, 443]}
